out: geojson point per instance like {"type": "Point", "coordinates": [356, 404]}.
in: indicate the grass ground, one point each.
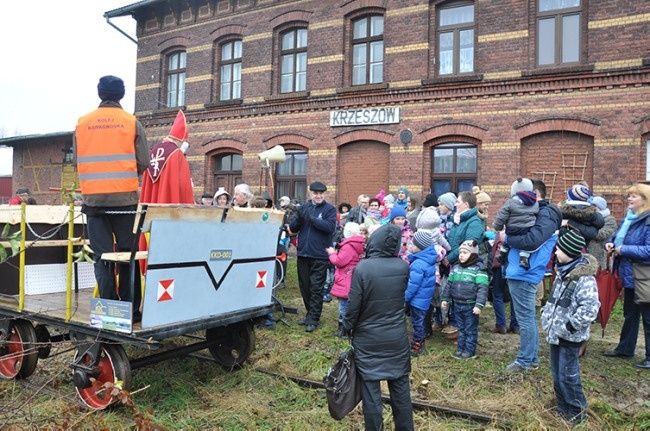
{"type": "Point", "coordinates": [189, 393]}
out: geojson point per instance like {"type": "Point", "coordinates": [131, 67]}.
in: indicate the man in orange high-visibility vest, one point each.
{"type": "Point", "coordinates": [110, 150]}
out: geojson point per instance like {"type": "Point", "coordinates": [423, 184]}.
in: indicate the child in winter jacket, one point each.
{"type": "Point", "coordinates": [467, 287]}
{"type": "Point", "coordinates": [579, 214]}
{"type": "Point", "coordinates": [397, 217]}
{"type": "Point", "coordinates": [422, 282]}
{"type": "Point", "coordinates": [350, 252]}
{"type": "Point", "coordinates": [518, 214]}
{"type": "Point", "coordinates": [429, 221]}
{"type": "Point", "coordinates": [572, 306]}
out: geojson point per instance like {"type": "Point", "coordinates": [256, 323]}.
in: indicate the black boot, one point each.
{"type": "Point", "coordinates": [339, 331]}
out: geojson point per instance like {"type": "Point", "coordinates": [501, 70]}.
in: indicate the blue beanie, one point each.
{"type": "Point", "coordinates": [110, 88]}
{"type": "Point", "coordinates": [397, 211]}
{"type": "Point", "coordinates": [600, 202]}
{"type": "Point", "coordinates": [403, 189]}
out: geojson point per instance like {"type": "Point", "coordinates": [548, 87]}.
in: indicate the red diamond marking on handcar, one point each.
{"type": "Point", "coordinates": [165, 290]}
{"type": "Point", "coordinates": [261, 279]}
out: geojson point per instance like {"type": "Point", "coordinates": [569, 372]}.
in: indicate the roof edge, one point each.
{"type": "Point", "coordinates": [129, 9]}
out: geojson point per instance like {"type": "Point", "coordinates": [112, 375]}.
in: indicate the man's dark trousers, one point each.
{"type": "Point", "coordinates": [311, 279]}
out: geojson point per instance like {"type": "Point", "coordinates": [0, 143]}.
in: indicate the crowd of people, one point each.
{"type": "Point", "coordinates": [453, 262]}
{"type": "Point", "coordinates": [438, 261]}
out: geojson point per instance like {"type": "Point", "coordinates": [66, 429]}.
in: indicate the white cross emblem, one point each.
{"type": "Point", "coordinates": [158, 158]}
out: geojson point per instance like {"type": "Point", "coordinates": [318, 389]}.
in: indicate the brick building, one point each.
{"type": "Point", "coordinates": [376, 94]}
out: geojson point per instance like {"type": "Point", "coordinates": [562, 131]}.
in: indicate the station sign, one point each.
{"type": "Point", "coordinates": [364, 117]}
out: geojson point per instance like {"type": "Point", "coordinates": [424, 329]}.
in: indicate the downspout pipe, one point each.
{"type": "Point", "coordinates": [108, 20]}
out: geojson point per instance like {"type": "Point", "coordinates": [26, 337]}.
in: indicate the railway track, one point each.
{"type": "Point", "coordinates": [482, 418]}
{"type": "Point", "coordinates": [417, 404]}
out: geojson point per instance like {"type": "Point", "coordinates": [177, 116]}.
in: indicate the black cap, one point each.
{"type": "Point", "coordinates": [110, 88]}
{"type": "Point", "coordinates": [317, 186]}
{"type": "Point", "coordinates": [206, 195]}
{"type": "Point", "coordinates": [431, 200]}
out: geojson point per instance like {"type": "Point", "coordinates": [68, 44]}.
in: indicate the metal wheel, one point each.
{"type": "Point", "coordinates": [44, 341]}
{"type": "Point", "coordinates": [113, 367]}
{"type": "Point", "coordinates": [18, 353]}
{"type": "Point", "coordinates": [232, 344]}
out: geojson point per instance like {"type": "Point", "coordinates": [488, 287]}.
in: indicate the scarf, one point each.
{"type": "Point", "coordinates": [373, 214]}
{"type": "Point", "coordinates": [625, 226]}
{"type": "Point", "coordinates": [566, 268]}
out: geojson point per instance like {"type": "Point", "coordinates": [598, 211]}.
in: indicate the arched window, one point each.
{"type": "Point", "coordinates": [291, 176]}
{"type": "Point", "coordinates": [293, 60]}
{"type": "Point", "coordinates": [227, 171]}
{"type": "Point", "coordinates": [230, 70]}
{"type": "Point", "coordinates": [368, 50]}
{"type": "Point", "coordinates": [176, 79]}
{"type": "Point", "coordinates": [453, 168]}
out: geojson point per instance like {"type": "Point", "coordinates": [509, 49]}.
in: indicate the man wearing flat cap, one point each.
{"type": "Point", "coordinates": [110, 150]}
{"type": "Point", "coordinates": [315, 222]}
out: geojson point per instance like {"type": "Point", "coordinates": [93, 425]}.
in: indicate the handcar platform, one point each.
{"type": "Point", "coordinates": [207, 268]}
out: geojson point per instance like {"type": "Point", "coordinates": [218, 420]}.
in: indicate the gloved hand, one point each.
{"type": "Point", "coordinates": [307, 211]}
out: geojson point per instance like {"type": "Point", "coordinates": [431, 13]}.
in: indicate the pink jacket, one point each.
{"type": "Point", "coordinates": [345, 260]}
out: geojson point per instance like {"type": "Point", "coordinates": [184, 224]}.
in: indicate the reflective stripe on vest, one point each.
{"type": "Point", "coordinates": [106, 159]}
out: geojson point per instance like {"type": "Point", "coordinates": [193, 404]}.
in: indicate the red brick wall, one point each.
{"type": "Point", "coordinates": [363, 169]}
{"type": "Point", "coordinates": [511, 110]}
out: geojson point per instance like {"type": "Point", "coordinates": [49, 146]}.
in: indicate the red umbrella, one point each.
{"type": "Point", "coordinates": [609, 289]}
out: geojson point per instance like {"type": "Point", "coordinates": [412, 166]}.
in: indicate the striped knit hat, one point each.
{"type": "Point", "coordinates": [571, 243]}
{"type": "Point", "coordinates": [422, 239]}
{"type": "Point", "coordinates": [579, 192]}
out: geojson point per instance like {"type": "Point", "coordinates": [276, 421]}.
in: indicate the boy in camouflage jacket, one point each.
{"type": "Point", "coordinates": [571, 308]}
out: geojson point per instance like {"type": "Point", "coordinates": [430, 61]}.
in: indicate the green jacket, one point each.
{"type": "Point", "coordinates": [469, 228]}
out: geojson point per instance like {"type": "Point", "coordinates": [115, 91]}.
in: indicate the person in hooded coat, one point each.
{"type": "Point", "coordinates": [376, 321]}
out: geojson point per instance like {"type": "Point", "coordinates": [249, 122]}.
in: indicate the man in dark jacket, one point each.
{"type": "Point", "coordinates": [358, 213]}
{"type": "Point", "coordinates": [523, 282]}
{"type": "Point", "coordinates": [376, 321]}
{"type": "Point", "coordinates": [315, 223]}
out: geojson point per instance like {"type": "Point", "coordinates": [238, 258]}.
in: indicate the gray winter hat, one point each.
{"type": "Point", "coordinates": [448, 199]}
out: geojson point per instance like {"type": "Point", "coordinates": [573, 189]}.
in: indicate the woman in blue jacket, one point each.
{"type": "Point", "coordinates": [631, 244]}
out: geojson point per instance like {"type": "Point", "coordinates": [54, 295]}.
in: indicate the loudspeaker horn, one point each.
{"type": "Point", "coordinates": [275, 154]}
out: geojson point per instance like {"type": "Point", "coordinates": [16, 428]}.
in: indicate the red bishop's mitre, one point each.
{"type": "Point", "coordinates": [179, 128]}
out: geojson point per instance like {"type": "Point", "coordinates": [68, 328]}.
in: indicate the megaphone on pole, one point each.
{"type": "Point", "coordinates": [275, 154]}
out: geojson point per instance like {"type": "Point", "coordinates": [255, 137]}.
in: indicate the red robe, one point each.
{"type": "Point", "coordinates": [167, 180]}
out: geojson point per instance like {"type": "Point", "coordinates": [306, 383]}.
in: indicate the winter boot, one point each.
{"type": "Point", "coordinates": [339, 331]}
{"type": "Point", "coordinates": [417, 348]}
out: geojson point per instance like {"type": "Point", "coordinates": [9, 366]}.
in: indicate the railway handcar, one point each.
{"type": "Point", "coordinates": [207, 269]}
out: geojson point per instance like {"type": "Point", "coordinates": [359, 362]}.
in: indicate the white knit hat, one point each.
{"type": "Point", "coordinates": [350, 229]}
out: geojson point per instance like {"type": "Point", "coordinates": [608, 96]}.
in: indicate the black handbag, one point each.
{"type": "Point", "coordinates": [342, 386]}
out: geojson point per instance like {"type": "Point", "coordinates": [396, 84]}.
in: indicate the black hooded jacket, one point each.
{"type": "Point", "coordinates": [375, 316]}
